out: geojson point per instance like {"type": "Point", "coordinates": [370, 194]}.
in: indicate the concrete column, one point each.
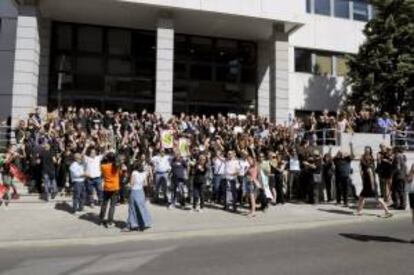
{"type": "Point", "coordinates": [26, 64]}
{"type": "Point", "coordinates": [164, 67]}
{"type": "Point", "coordinates": [263, 77]}
{"type": "Point", "coordinates": [279, 97]}
{"type": "Point", "coordinates": [8, 27]}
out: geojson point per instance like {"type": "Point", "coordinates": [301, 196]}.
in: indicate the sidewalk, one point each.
{"type": "Point", "coordinates": [32, 222]}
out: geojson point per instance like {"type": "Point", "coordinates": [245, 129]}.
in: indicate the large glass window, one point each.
{"type": "Point", "coordinates": [341, 8]}
{"type": "Point", "coordinates": [106, 67]}
{"type": "Point", "coordinates": [323, 64]}
{"type": "Point", "coordinates": [323, 7]}
{"type": "Point", "coordinates": [341, 66]}
{"type": "Point", "coordinates": [90, 39]}
{"type": "Point", "coordinates": [360, 11]}
{"type": "Point", "coordinates": [308, 6]}
{"type": "Point", "coordinates": [303, 60]}
{"type": "Point", "coordinates": [214, 75]}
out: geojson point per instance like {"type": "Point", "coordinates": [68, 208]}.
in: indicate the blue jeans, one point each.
{"type": "Point", "coordinates": [138, 214]}
{"type": "Point", "coordinates": [94, 184]}
{"type": "Point", "coordinates": [79, 194]}
{"type": "Point", "coordinates": [231, 193]}
{"type": "Point", "coordinates": [178, 191]}
{"type": "Point", "coordinates": [162, 180]}
{"type": "Point", "coordinates": [217, 187]}
{"type": "Point", "coordinates": [50, 185]}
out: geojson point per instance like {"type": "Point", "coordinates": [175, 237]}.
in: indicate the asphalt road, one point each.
{"type": "Point", "coordinates": [378, 247]}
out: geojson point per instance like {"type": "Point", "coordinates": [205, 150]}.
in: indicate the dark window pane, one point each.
{"type": "Point", "coordinates": [248, 54]}
{"type": "Point", "coordinates": [119, 42]}
{"type": "Point", "coordinates": [361, 10]}
{"type": "Point", "coordinates": [181, 50]}
{"type": "Point", "coordinates": [180, 70]}
{"type": "Point", "coordinates": [342, 8]}
{"type": "Point", "coordinates": [90, 39]}
{"type": "Point", "coordinates": [144, 46]}
{"type": "Point", "coordinates": [89, 65]}
{"type": "Point", "coordinates": [201, 49]}
{"type": "Point", "coordinates": [323, 7]}
{"type": "Point", "coordinates": [248, 75]}
{"type": "Point", "coordinates": [64, 37]}
{"type": "Point", "coordinates": [303, 60]}
{"type": "Point", "coordinates": [226, 51]}
{"type": "Point", "coordinates": [308, 6]}
{"type": "Point", "coordinates": [119, 67]}
{"type": "Point", "coordinates": [89, 82]}
{"type": "Point", "coordinates": [201, 72]}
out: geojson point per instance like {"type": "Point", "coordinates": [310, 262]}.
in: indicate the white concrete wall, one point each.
{"type": "Point", "coordinates": [282, 10]}
{"type": "Point", "coordinates": [313, 92]}
{"type": "Point", "coordinates": [326, 33]}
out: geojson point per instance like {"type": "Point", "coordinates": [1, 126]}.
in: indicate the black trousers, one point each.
{"type": "Point", "coordinates": [398, 196]}
{"type": "Point", "coordinates": [198, 194]}
{"type": "Point", "coordinates": [342, 189]}
{"type": "Point", "coordinates": [279, 189]}
{"type": "Point", "coordinates": [110, 197]}
{"type": "Point", "coordinates": [327, 179]}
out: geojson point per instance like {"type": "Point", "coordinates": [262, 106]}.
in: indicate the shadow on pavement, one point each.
{"type": "Point", "coordinates": [90, 217]}
{"type": "Point", "coordinates": [371, 238]}
{"type": "Point", "coordinates": [64, 206]}
{"type": "Point", "coordinates": [337, 211]}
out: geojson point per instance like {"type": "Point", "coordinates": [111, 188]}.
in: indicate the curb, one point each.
{"type": "Point", "coordinates": [162, 236]}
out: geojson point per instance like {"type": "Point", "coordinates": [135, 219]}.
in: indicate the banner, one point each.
{"type": "Point", "coordinates": [184, 147]}
{"type": "Point", "coordinates": [167, 139]}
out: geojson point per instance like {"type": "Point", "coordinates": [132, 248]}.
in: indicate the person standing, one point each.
{"type": "Point", "coordinates": [369, 189]}
{"type": "Point", "coordinates": [77, 175]}
{"type": "Point", "coordinates": [93, 176]}
{"type": "Point", "coordinates": [139, 217]}
{"type": "Point", "coordinates": [252, 185]}
{"type": "Point", "coordinates": [178, 174]}
{"type": "Point", "coordinates": [399, 179]}
{"type": "Point", "coordinates": [232, 171]}
{"type": "Point", "coordinates": [411, 193]}
{"type": "Point", "coordinates": [277, 167]}
{"type": "Point", "coordinates": [385, 171]}
{"type": "Point", "coordinates": [48, 160]}
{"type": "Point", "coordinates": [328, 173]}
{"type": "Point", "coordinates": [219, 163]}
{"type": "Point", "coordinates": [199, 183]}
{"type": "Point", "coordinates": [111, 177]}
{"type": "Point", "coordinates": [162, 167]}
{"type": "Point", "coordinates": [343, 171]}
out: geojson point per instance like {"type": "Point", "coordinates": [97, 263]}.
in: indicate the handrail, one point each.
{"type": "Point", "coordinates": [403, 138]}
{"type": "Point", "coordinates": [324, 137]}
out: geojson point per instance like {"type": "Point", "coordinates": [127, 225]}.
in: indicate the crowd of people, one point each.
{"type": "Point", "coordinates": [236, 161]}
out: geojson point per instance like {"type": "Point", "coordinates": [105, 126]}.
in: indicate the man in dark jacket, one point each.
{"type": "Point", "coordinates": [399, 179]}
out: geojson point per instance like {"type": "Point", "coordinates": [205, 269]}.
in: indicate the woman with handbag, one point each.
{"type": "Point", "coordinates": [369, 190]}
{"type": "Point", "coordinates": [139, 217]}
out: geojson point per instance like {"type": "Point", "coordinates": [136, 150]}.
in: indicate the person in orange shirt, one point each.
{"type": "Point", "coordinates": [110, 174]}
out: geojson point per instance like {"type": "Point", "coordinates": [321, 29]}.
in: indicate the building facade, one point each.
{"type": "Point", "coordinates": [272, 57]}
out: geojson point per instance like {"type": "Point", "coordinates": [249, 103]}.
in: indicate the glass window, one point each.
{"type": "Point", "coordinates": [144, 45]}
{"type": "Point", "coordinates": [64, 37]}
{"type": "Point", "coordinates": [303, 60]}
{"type": "Point", "coordinates": [323, 7]}
{"type": "Point", "coordinates": [342, 8]}
{"type": "Point", "coordinates": [226, 51]}
{"type": "Point", "coordinates": [201, 72]}
{"type": "Point", "coordinates": [119, 67]}
{"type": "Point", "coordinates": [180, 47]}
{"type": "Point", "coordinates": [248, 54]}
{"type": "Point", "coordinates": [308, 6]}
{"type": "Point", "coordinates": [201, 49]}
{"type": "Point", "coordinates": [341, 66]}
{"type": "Point", "coordinates": [323, 64]}
{"type": "Point", "coordinates": [89, 65]}
{"type": "Point", "coordinates": [90, 39]}
{"type": "Point", "coordinates": [360, 10]}
{"type": "Point", "coordinates": [119, 42]}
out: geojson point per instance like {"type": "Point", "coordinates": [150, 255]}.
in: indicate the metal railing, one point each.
{"type": "Point", "coordinates": [403, 139]}
{"type": "Point", "coordinates": [6, 137]}
{"type": "Point", "coordinates": [328, 136]}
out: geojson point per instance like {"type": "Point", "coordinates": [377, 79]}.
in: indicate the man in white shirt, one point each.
{"type": "Point", "coordinates": [77, 175]}
{"type": "Point", "coordinates": [219, 176]}
{"type": "Point", "coordinates": [161, 164]}
{"type": "Point", "coordinates": [93, 176]}
{"type": "Point", "coordinates": [232, 170]}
